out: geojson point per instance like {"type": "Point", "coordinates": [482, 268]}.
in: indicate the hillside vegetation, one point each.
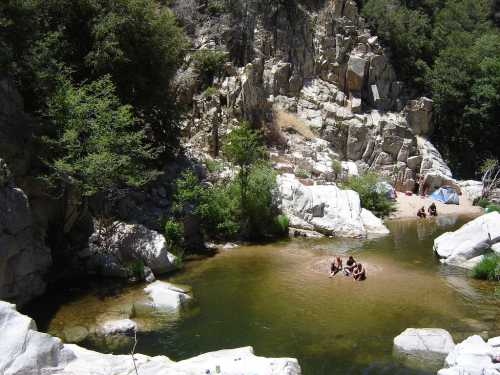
{"type": "Point", "coordinates": [448, 50]}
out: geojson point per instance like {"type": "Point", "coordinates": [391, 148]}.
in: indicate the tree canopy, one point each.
{"type": "Point", "coordinates": [449, 50]}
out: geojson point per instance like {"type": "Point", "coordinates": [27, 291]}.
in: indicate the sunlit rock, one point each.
{"type": "Point", "coordinates": [167, 296]}
{"type": "Point", "coordinates": [420, 346]}
{"type": "Point", "coordinates": [472, 356]}
{"type": "Point", "coordinates": [325, 209]}
{"type": "Point", "coordinates": [472, 240]}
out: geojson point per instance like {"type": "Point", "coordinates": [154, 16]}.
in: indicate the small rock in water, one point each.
{"type": "Point", "coordinates": [118, 327]}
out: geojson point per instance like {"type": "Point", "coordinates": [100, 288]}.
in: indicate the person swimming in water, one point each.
{"type": "Point", "coordinates": [336, 267]}
{"type": "Point", "coordinates": [359, 272]}
{"type": "Point", "coordinates": [350, 265]}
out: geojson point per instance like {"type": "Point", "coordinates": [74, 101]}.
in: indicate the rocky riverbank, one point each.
{"type": "Point", "coordinates": [25, 351]}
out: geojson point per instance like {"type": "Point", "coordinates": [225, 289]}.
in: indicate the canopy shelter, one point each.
{"type": "Point", "coordinates": [446, 194]}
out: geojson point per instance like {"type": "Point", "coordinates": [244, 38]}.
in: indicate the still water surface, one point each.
{"type": "Point", "coordinates": [278, 299]}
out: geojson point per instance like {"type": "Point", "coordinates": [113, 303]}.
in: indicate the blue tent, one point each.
{"type": "Point", "coordinates": [446, 195]}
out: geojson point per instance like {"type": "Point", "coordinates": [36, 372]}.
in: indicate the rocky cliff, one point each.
{"type": "Point", "coordinates": [312, 65]}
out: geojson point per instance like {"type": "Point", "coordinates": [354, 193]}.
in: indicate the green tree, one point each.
{"type": "Point", "coordinates": [95, 140]}
{"type": "Point", "coordinates": [244, 148]}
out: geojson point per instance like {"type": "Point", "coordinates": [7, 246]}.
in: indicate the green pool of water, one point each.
{"type": "Point", "coordinates": [278, 298]}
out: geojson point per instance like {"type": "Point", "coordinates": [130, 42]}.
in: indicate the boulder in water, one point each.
{"type": "Point", "coordinates": [472, 240]}
{"type": "Point", "coordinates": [472, 356]}
{"type": "Point", "coordinates": [167, 296]}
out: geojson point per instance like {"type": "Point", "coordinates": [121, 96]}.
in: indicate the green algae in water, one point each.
{"type": "Point", "coordinates": [278, 299]}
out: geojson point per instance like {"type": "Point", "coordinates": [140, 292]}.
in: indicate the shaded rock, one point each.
{"type": "Point", "coordinates": [419, 116]}
{"type": "Point", "coordinates": [356, 71]}
{"type": "Point", "coordinates": [128, 242]}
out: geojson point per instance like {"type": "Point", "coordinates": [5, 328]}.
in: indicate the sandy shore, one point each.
{"type": "Point", "coordinates": [407, 207]}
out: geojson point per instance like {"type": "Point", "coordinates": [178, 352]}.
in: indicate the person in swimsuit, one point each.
{"type": "Point", "coordinates": [350, 265]}
{"type": "Point", "coordinates": [336, 267]}
{"type": "Point", "coordinates": [359, 272]}
{"type": "Point", "coordinates": [432, 210]}
{"type": "Point", "coordinates": [421, 213]}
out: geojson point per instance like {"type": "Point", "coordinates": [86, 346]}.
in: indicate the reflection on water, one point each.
{"type": "Point", "coordinates": [279, 299]}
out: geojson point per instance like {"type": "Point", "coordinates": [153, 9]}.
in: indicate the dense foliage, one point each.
{"type": "Point", "coordinates": [449, 50]}
{"type": "Point", "coordinates": [95, 139]}
{"type": "Point", "coordinates": [241, 207]}
{"type": "Point", "coordinates": [487, 269]}
{"type": "Point", "coordinates": [97, 75]}
{"type": "Point", "coordinates": [372, 198]}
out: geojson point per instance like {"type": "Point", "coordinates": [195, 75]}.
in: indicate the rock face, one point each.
{"type": "Point", "coordinates": [24, 258]}
{"type": "Point", "coordinates": [473, 356]}
{"type": "Point", "coordinates": [326, 209]}
{"type": "Point", "coordinates": [316, 62]}
{"type": "Point", "coordinates": [28, 352]}
{"type": "Point", "coordinates": [110, 250]}
{"type": "Point", "coordinates": [472, 240]}
{"type": "Point", "coordinates": [424, 344]}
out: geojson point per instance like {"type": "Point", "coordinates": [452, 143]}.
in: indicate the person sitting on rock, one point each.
{"type": "Point", "coordinates": [421, 213]}
{"type": "Point", "coordinates": [359, 272]}
{"type": "Point", "coordinates": [336, 267]}
{"type": "Point", "coordinates": [350, 265]}
{"type": "Point", "coordinates": [432, 210]}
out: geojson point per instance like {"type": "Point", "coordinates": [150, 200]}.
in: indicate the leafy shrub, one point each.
{"type": "Point", "coordinates": [487, 269]}
{"type": "Point", "coordinates": [220, 211]}
{"type": "Point", "coordinates": [210, 64]}
{"type": "Point", "coordinates": [282, 224]}
{"type": "Point", "coordinates": [216, 7]}
{"type": "Point", "coordinates": [136, 269]}
{"type": "Point", "coordinates": [337, 167]}
{"type": "Point", "coordinates": [214, 166]}
{"type": "Point", "coordinates": [492, 208]}
{"type": "Point", "coordinates": [95, 139]}
{"type": "Point", "coordinates": [210, 91]}
{"type": "Point", "coordinates": [258, 208]}
{"type": "Point", "coordinates": [482, 202]}
{"type": "Point", "coordinates": [371, 199]}
{"type": "Point", "coordinates": [174, 235]}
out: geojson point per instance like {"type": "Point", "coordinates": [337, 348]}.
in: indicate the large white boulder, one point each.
{"type": "Point", "coordinates": [473, 356]}
{"type": "Point", "coordinates": [24, 351]}
{"type": "Point", "coordinates": [424, 341]}
{"type": "Point", "coordinates": [423, 348]}
{"type": "Point", "coordinates": [373, 224]}
{"type": "Point", "coordinates": [471, 240]}
{"type": "Point", "coordinates": [325, 209]}
{"type": "Point", "coordinates": [167, 296]}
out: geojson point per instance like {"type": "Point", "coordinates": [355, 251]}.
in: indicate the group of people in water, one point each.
{"type": "Point", "coordinates": [431, 211]}
{"type": "Point", "coordinates": [352, 268]}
